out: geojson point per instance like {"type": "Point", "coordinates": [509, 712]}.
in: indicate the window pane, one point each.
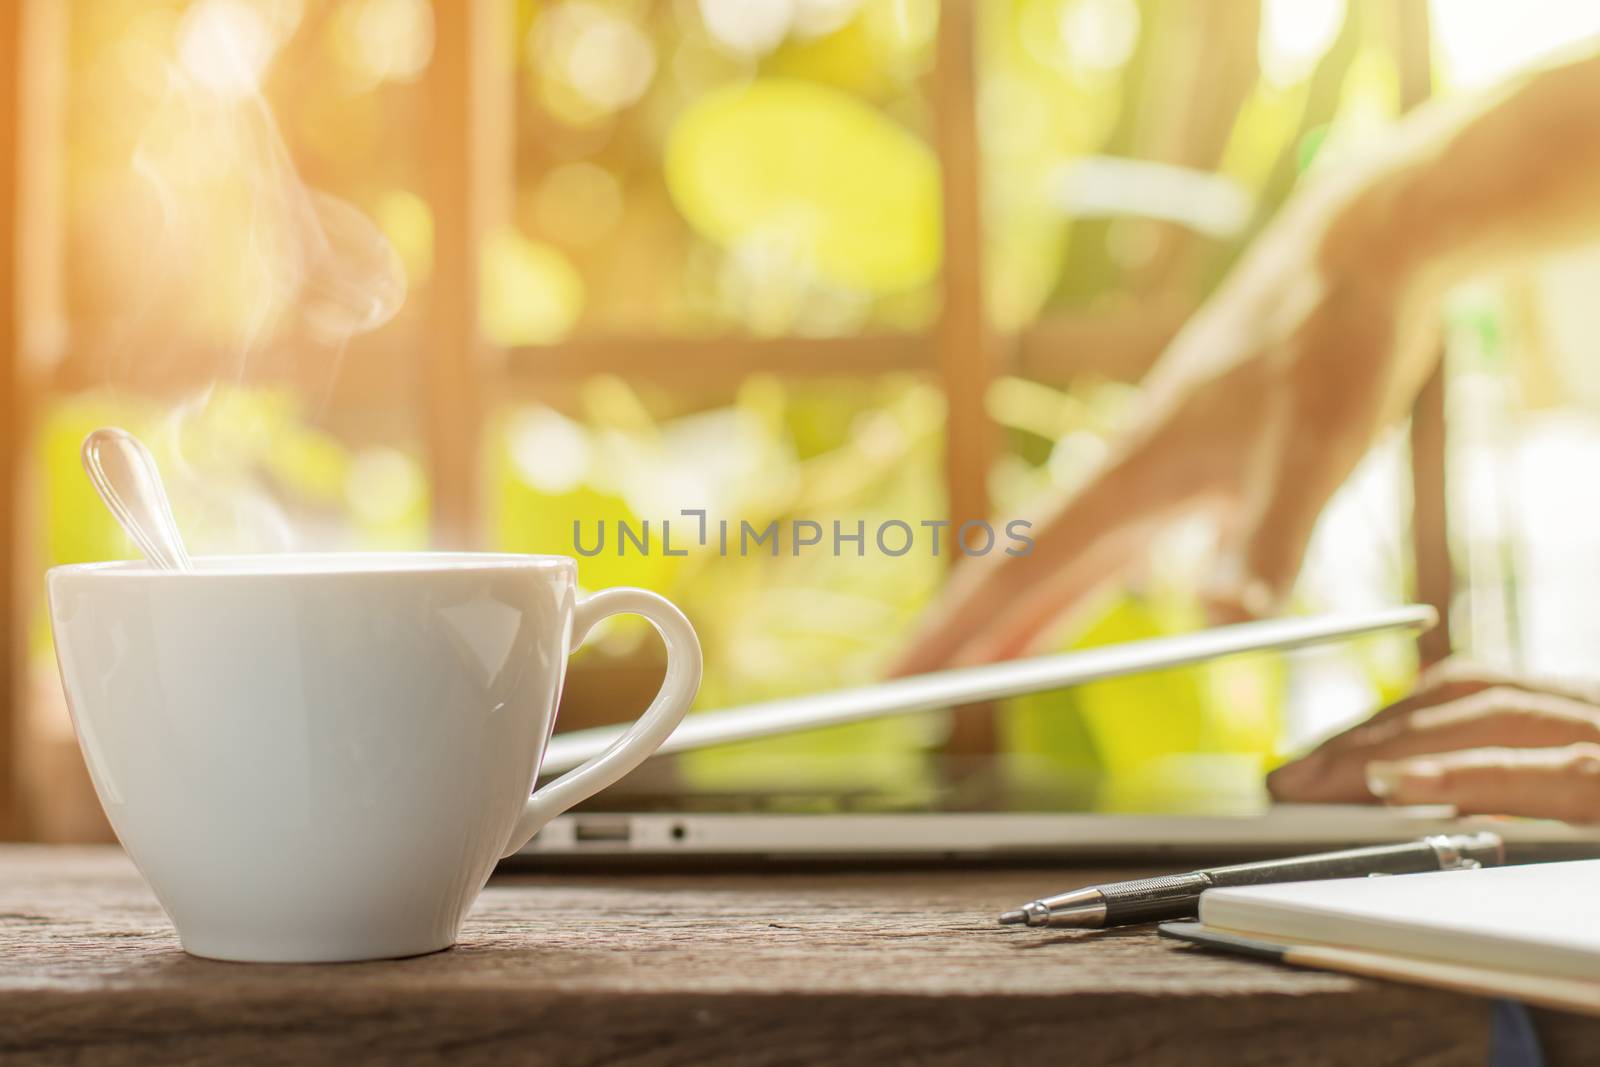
{"type": "Point", "coordinates": [727, 504]}
{"type": "Point", "coordinates": [1118, 196]}
{"type": "Point", "coordinates": [719, 166]}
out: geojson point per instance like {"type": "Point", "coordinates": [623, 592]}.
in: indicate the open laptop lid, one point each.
{"type": "Point", "coordinates": [996, 681]}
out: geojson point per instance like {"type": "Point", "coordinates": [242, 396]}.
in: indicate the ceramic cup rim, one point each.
{"type": "Point", "coordinates": [277, 566]}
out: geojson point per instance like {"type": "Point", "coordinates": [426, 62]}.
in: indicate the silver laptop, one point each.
{"type": "Point", "coordinates": [1204, 804]}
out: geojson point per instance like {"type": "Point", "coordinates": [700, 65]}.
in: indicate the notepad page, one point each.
{"type": "Point", "coordinates": [1540, 918]}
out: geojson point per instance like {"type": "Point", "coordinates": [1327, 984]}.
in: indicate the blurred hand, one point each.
{"type": "Point", "coordinates": [1274, 390]}
{"type": "Point", "coordinates": [1260, 408]}
{"type": "Point", "coordinates": [1475, 739]}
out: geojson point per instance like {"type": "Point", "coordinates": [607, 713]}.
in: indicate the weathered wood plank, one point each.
{"type": "Point", "coordinates": [648, 969]}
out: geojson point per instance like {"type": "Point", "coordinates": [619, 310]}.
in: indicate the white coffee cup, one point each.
{"type": "Point", "coordinates": [316, 758]}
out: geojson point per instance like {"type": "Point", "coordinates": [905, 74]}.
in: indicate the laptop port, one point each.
{"type": "Point", "coordinates": [602, 831]}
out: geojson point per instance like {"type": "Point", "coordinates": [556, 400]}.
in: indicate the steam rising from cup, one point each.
{"type": "Point", "coordinates": [353, 280]}
{"type": "Point", "coordinates": [245, 267]}
{"type": "Point", "coordinates": [277, 261]}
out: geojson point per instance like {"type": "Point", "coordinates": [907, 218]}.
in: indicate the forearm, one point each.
{"type": "Point", "coordinates": [1181, 454]}
{"type": "Point", "coordinates": [1464, 185]}
{"type": "Point", "coordinates": [1320, 336]}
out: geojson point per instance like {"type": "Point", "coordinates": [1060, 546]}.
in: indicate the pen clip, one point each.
{"type": "Point", "coordinates": [1451, 858]}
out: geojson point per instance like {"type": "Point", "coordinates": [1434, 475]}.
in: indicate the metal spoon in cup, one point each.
{"type": "Point", "coordinates": [125, 475]}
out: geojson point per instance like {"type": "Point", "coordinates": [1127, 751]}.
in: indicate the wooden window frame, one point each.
{"type": "Point", "coordinates": [1430, 516]}
{"type": "Point", "coordinates": [13, 428]}
{"type": "Point", "coordinates": [470, 129]}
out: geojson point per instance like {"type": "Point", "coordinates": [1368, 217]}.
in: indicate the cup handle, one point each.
{"type": "Point", "coordinates": [648, 732]}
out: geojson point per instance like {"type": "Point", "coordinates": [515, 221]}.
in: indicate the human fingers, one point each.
{"type": "Point", "coordinates": [1548, 783]}
{"type": "Point", "coordinates": [1183, 457]}
{"type": "Point", "coordinates": [1494, 717]}
{"type": "Point", "coordinates": [1446, 681]}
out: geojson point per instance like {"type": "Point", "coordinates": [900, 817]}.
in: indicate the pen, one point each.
{"type": "Point", "coordinates": [1177, 896]}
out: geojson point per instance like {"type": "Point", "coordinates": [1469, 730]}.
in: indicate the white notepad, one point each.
{"type": "Point", "coordinates": [1540, 918]}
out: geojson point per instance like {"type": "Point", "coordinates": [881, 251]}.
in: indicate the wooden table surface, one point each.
{"type": "Point", "coordinates": [645, 969]}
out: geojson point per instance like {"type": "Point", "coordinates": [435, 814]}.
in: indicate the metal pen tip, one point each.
{"type": "Point", "coordinates": [1035, 912]}
{"type": "Point", "coordinates": [1039, 912]}
{"type": "Point", "coordinates": [1086, 895]}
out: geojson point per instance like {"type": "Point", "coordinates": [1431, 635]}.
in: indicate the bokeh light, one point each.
{"type": "Point", "coordinates": [1482, 41]}
{"type": "Point", "coordinates": [1294, 35]}
{"type": "Point", "coordinates": [592, 60]}
{"type": "Point", "coordinates": [407, 221]}
{"type": "Point", "coordinates": [1099, 35]}
{"type": "Point", "coordinates": [225, 46]}
{"type": "Point", "coordinates": [385, 40]}
{"type": "Point", "coordinates": [551, 452]}
{"type": "Point", "coordinates": [529, 293]}
{"type": "Point", "coordinates": [812, 169]}
{"type": "Point", "coordinates": [753, 27]}
{"type": "Point", "coordinates": [384, 486]}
